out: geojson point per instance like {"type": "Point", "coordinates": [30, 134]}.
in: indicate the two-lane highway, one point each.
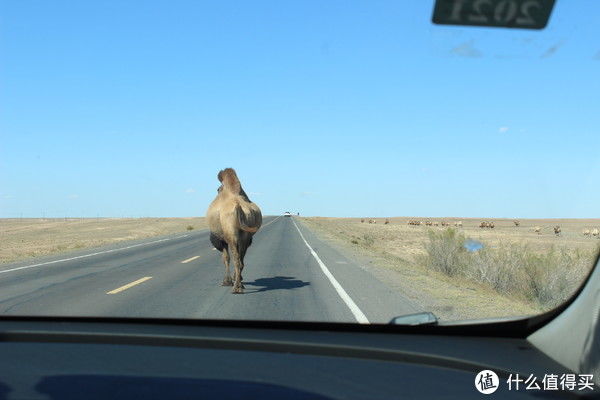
{"type": "Point", "coordinates": [290, 275]}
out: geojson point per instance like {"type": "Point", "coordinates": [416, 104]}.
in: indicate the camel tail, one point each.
{"type": "Point", "coordinates": [249, 223]}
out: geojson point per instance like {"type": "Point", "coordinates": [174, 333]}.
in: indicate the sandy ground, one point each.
{"type": "Point", "coordinates": [31, 237]}
{"type": "Point", "coordinates": [395, 248]}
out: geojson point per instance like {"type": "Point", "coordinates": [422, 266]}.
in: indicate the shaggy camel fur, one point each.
{"type": "Point", "coordinates": [232, 220]}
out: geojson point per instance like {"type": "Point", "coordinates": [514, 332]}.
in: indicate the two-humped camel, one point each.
{"type": "Point", "coordinates": [232, 220]}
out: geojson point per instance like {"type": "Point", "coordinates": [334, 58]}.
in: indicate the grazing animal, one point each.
{"type": "Point", "coordinates": [428, 223]}
{"type": "Point", "coordinates": [444, 223]}
{"type": "Point", "coordinates": [483, 224]}
{"type": "Point", "coordinates": [557, 230]}
{"type": "Point", "coordinates": [458, 224]}
{"type": "Point", "coordinates": [387, 221]}
{"type": "Point", "coordinates": [517, 223]}
{"type": "Point", "coordinates": [436, 224]}
{"type": "Point", "coordinates": [491, 225]}
{"type": "Point", "coordinates": [232, 220]}
{"type": "Point", "coordinates": [586, 232]}
{"type": "Point", "coordinates": [537, 230]}
{"type": "Point", "coordinates": [595, 232]}
{"type": "Point", "coordinates": [362, 220]}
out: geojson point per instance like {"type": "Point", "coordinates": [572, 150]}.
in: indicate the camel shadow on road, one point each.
{"type": "Point", "coordinates": [274, 283]}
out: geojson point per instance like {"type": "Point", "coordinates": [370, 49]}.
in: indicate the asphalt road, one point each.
{"type": "Point", "coordinates": [290, 275]}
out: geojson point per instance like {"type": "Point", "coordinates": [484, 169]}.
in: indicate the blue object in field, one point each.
{"type": "Point", "coordinates": [473, 245]}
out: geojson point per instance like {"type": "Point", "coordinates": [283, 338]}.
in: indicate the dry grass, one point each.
{"type": "Point", "coordinates": [405, 242]}
{"type": "Point", "coordinates": [546, 279]}
{"type": "Point", "coordinates": [480, 288]}
{"type": "Point", "coordinates": [25, 238]}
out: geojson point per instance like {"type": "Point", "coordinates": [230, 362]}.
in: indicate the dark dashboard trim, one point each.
{"type": "Point", "coordinates": [506, 329]}
{"type": "Point", "coordinates": [240, 344]}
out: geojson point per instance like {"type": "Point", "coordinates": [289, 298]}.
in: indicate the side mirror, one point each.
{"type": "Point", "coordinates": [423, 318]}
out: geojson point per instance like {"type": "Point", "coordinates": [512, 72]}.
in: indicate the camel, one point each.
{"type": "Point", "coordinates": [587, 232]}
{"type": "Point", "coordinates": [517, 223]}
{"type": "Point", "coordinates": [557, 230]}
{"type": "Point", "coordinates": [232, 220]}
{"type": "Point", "coordinates": [537, 230]}
{"type": "Point", "coordinates": [595, 232]}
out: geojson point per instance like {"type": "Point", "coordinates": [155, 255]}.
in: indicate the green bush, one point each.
{"type": "Point", "coordinates": [190, 228]}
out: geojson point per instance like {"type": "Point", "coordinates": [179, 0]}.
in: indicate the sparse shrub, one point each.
{"type": "Point", "coordinates": [554, 276]}
{"type": "Point", "coordinates": [368, 240]}
{"type": "Point", "coordinates": [354, 241]}
{"type": "Point", "coordinates": [190, 228]}
{"type": "Point", "coordinates": [446, 252]}
{"type": "Point", "coordinates": [501, 268]}
{"type": "Point", "coordinates": [546, 279]}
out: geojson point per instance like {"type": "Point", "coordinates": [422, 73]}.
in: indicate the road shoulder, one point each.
{"type": "Point", "coordinates": [448, 298]}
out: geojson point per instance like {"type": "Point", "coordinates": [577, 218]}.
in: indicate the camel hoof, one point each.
{"type": "Point", "coordinates": [227, 283]}
{"type": "Point", "coordinates": [238, 291]}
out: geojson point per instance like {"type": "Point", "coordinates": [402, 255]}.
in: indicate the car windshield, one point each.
{"type": "Point", "coordinates": [427, 167]}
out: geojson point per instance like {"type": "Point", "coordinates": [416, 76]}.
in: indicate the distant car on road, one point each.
{"type": "Point", "coordinates": [287, 214]}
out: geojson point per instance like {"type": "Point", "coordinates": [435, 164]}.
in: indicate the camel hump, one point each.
{"type": "Point", "coordinates": [229, 179]}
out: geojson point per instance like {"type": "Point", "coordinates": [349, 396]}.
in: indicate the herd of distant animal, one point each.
{"type": "Point", "coordinates": [484, 224]}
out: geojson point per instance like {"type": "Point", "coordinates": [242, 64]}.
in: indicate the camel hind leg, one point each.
{"type": "Point", "coordinates": [227, 281]}
{"type": "Point", "coordinates": [223, 247]}
{"type": "Point", "coordinates": [238, 288]}
{"type": "Point", "coordinates": [243, 245]}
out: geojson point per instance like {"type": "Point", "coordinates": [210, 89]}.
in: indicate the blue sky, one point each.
{"type": "Point", "coordinates": [129, 108]}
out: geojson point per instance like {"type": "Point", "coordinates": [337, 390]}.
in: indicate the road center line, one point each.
{"type": "Point", "coordinates": [91, 254]}
{"type": "Point", "coordinates": [358, 314]}
{"type": "Point", "coordinates": [271, 222]}
{"type": "Point", "coordinates": [125, 287]}
{"type": "Point", "coordinates": [190, 259]}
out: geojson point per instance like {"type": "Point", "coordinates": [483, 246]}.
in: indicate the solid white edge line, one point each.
{"type": "Point", "coordinates": [89, 255]}
{"type": "Point", "coordinates": [356, 311]}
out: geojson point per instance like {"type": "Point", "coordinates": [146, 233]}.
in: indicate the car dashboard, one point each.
{"type": "Point", "coordinates": [93, 359]}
